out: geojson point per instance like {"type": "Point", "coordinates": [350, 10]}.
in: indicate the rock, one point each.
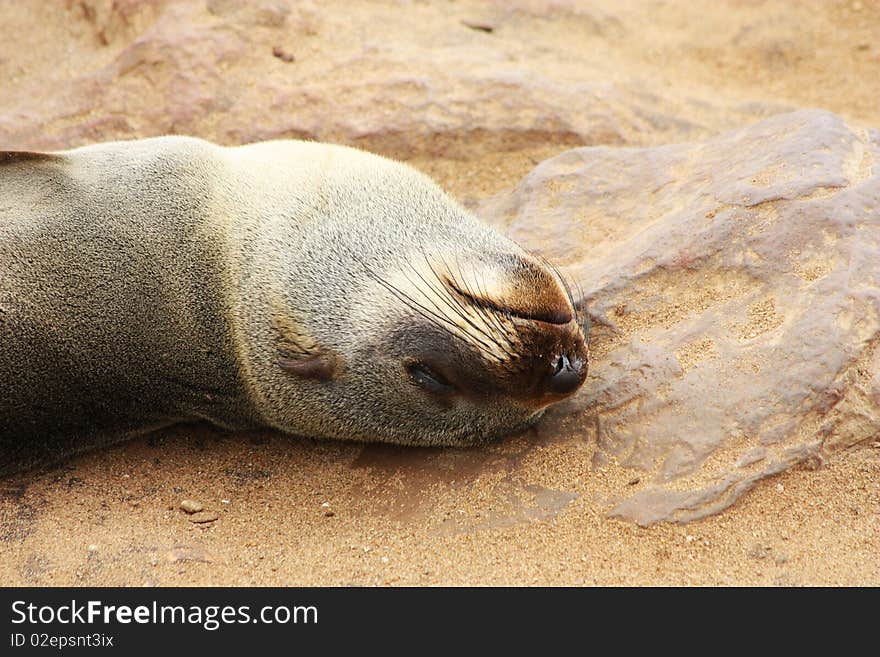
{"type": "Point", "coordinates": [221, 70]}
{"type": "Point", "coordinates": [734, 291]}
{"type": "Point", "coordinates": [203, 517]}
{"type": "Point", "coordinates": [283, 55]}
{"type": "Point", "coordinates": [480, 26]}
{"type": "Point", "coordinates": [191, 506]}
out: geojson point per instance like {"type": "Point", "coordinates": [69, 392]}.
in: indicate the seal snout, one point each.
{"type": "Point", "coordinates": [567, 375]}
{"type": "Point", "coordinates": [531, 319]}
{"type": "Point", "coordinates": [556, 365]}
{"type": "Point", "coordinates": [492, 333]}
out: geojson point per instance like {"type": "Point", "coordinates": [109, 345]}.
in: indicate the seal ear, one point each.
{"type": "Point", "coordinates": [301, 355]}
{"type": "Point", "coordinates": [321, 367]}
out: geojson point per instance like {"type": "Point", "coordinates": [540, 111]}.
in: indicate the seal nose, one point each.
{"type": "Point", "coordinates": [566, 376]}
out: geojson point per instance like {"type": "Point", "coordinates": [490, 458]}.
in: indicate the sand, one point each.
{"type": "Point", "coordinates": [299, 512]}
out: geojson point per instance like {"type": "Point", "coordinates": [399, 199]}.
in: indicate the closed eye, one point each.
{"type": "Point", "coordinates": [429, 378]}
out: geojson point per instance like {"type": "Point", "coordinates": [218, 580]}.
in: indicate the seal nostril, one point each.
{"type": "Point", "coordinates": [567, 376]}
{"type": "Point", "coordinates": [561, 364]}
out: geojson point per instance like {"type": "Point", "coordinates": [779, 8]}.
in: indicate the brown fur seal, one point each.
{"type": "Point", "coordinates": [316, 289]}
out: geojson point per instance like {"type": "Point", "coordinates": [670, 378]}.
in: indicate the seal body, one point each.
{"type": "Point", "coordinates": [311, 288]}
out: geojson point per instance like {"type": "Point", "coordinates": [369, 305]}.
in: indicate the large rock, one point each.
{"type": "Point", "coordinates": [236, 71]}
{"type": "Point", "coordinates": [734, 287]}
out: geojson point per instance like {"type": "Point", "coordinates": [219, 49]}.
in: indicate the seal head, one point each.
{"type": "Point", "coordinates": [402, 318]}
{"type": "Point", "coordinates": [478, 345]}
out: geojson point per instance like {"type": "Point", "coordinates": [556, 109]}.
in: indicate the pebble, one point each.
{"type": "Point", "coordinates": [191, 506]}
{"type": "Point", "coordinates": [760, 551]}
{"type": "Point", "coordinates": [283, 55]}
{"type": "Point", "coordinates": [202, 517]}
{"type": "Point", "coordinates": [481, 26]}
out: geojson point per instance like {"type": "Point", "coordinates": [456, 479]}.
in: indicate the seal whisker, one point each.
{"type": "Point", "coordinates": [430, 316]}
{"type": "Point", "coordinates": [493, 316]}
{"type": "Point", "coordinates": [425, 312]}
{"type": "Point", "coordinates": [488, 316]}
{"type": "Point", "coordinates": [455, 300]}
{"type": "Point", "coordinates": [401, 295]}
{"type": "Point", "coordinates": [456, 296]}
{"type": "Point", "coordinates": [577, 305]}
{"type": "Point", "coordinates": [581, 307]}
{"type": "Point", "coordinates": [443, 292]}
{"type": "Point", "coordinates": [458, 312]}
{"type": "Point", "coordinates": [485, 347]}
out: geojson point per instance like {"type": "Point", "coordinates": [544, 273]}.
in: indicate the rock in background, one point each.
{"type": "Point", "coordinates": [403, 79]}
{"type": "Point", "coordinates": [734, 287]}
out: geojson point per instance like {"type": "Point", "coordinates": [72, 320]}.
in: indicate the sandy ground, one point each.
{"type": "Point", "coordinates": [529, 510]}
{"type": "Point", "coordinates": [525, 511]}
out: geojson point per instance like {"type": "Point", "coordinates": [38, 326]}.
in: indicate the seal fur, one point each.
{"type": "Point", "coordinates": [316, 289]}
